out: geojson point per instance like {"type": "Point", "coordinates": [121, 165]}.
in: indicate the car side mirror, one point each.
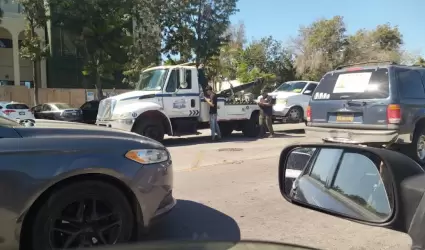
{"type": "Point", "coordinates": [308, 92]}
{"type": "Point", "coordinates": [182, 79]}
{"type": "Point", "coordinates": [373, 186]}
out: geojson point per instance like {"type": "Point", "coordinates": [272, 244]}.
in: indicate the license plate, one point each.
{"type": "Point", "coordinates": [73, 113]}
{"type": "Point", "coordinates": [345, 118]}
{"type": "Point", "coordinates": [21, 113]}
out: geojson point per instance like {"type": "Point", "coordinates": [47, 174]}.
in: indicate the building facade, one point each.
{"type": "Point", "coordinates": [62, 69]}
{"type": "Point", "coordinates": [13, 69]}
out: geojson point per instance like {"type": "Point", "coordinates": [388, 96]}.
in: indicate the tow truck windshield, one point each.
{"type": "Point", "coordinates": [152, 80]}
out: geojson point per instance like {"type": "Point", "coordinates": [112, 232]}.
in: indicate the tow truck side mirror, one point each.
{"type": "Point", "coordinates": [182, 79]}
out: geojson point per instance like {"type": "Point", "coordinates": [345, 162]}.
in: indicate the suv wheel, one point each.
{"type": "Point", "coordinates": [418, 146]}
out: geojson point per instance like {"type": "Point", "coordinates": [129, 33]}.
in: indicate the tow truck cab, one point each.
{"type": "Point", "coordinates": [170, 100]}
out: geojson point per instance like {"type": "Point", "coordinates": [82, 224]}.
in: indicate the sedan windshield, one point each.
{"type": "Point", "coordinates": [296, 87]}
{"type": "Point", "coordinates": [152, 80]}
{"type": "Point", "coordinates": [61, 106]}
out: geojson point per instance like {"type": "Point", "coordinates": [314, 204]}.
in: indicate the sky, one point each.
{"type": "Point", "coordinates": [282, 18]}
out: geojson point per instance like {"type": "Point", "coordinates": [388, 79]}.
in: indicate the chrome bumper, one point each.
{"type": "Point", "coordinates": [123, 124]}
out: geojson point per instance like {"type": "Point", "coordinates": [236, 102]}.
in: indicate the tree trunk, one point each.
{"type": "Point", "coordinates": [34, 71]}
{"type": "Point", "coordinates": [98, 85]}
{"type": "Point", "coordinates": [35, 81]}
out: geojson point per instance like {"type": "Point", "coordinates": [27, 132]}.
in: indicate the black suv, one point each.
{"type": "Point", "coordinates": [374, 105]}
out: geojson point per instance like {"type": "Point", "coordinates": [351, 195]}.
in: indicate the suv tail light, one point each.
{"type": "Point", "coordinates": [8, 111]}
{"type": "Point", "coordinates": [393, 114]}
{"type": "Point", "coordinates": [308, 113]}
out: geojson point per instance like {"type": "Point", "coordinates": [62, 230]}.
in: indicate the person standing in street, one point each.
{"type": "Point", "coordinates": [266, 112]}
{"type": "Point", "coordinates": [212, 101]}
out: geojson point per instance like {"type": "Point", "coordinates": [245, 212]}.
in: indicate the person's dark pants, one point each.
{"type": "Point", "coordinates": [266, 122]}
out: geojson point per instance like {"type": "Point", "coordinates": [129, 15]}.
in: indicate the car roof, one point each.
{"type": "Point", "coordinates": [300, 81]}
{"type": "Point", "coordinates": [378, 66]}
{"type": "Point", "coordinates": [7, 103]}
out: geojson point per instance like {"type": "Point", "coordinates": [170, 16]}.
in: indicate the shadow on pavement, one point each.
{"type": "Point", "coordinates": [235, 137]}
{"type": "Point", "coordinates": [190, 220]}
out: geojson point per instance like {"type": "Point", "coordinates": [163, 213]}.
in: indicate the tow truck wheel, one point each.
{"type": "Point", "coordinates": [226, 129]}
{"type": "Point", "coordinates": [152, 129]}
{"type": "Point", "coordinates": [251, 127]}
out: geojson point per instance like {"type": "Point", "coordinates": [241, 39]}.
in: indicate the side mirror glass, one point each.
{"type": "Point", "coordinates": [182, 79]}
{"type": "Point", "coordinates": [308, 92]}
{"type": "Point", "coordinates": [351, 182]}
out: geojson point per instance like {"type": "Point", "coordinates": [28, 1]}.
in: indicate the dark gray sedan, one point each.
{"type": "Point", "coordinates": [57, 111]}
{"type": "Point", "coordinates": [67, 185]}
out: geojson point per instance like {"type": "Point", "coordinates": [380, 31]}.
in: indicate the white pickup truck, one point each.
{"type": "Point", "coordinates": [169, 100]}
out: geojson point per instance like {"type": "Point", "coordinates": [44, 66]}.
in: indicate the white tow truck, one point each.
{"type": "Point", "coordinates": [169, 100]}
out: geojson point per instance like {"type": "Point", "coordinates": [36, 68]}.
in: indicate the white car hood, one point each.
{"type": "Point", "coordinates": [131, 94]}
{"type": "Point", "coordinates": [282, 94]}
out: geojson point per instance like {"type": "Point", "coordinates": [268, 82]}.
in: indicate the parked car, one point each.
{"type": "Point", "coordinates": [296, 162]}
{"type": "Point", "coordinates": [66, 185]}
{"type": "Point", "coordinates": [89, 110]}
{"type": "Point", "coordinates": [291, 100]}
{"type": "Point", "coordinates": [372, 186]}
{"type": "Point", "coordinates": [373, 105]}
{"type": "Point", "coordinates": [15, 111]}
{"type": "Point", "coordinates": [57, 111]}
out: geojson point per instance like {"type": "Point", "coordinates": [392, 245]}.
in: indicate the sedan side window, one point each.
{"type": "Point", "coordinates": [86, 106]}
{"type": "Point", "coordinates": [46, 108]}
{"type": "Point", "coordinates": [359, 182]}
{"type": "Point", "coordinates": [326, 160]}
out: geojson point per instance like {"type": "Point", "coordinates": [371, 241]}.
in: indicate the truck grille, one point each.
{"type": "Point", "coordinates": [106, 107]}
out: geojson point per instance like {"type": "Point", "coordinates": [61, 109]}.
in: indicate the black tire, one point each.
{"type": "Point", "coordinates": [65, 197]}
{"type": "Point", "coordinates": [414, 146]}
{"type": "Point", "coordinates": [226, 129]}
{"type": "Point", "coordinates": [251, 127]}
{"type": "Point", "coordinates": [151, 128]}
{"type": "Point", "coordinates": [295, 118]}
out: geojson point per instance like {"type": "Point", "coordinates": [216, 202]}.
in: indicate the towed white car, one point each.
{"type": "Point", "coordinates": [16, 111]}
{"type": "Point", "coordinates": [291, 100]}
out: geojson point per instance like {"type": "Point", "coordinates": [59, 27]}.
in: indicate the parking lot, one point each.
{"type": "Point", "coordinates": [229, 191]}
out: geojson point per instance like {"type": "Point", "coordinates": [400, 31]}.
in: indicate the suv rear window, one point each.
{"type": "Point", "coordinates": [359, 84]}
{"type": "Point", "coordinates": [17, 106]}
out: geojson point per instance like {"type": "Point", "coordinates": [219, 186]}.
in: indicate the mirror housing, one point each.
{"type": "Point", "coordinates": [182, 78]}
{"type": "Point", "coordinates": [404, 175]}
{"type": "Point", "coordinates": [308, 92]}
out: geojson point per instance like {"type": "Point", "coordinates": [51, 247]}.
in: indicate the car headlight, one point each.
{"type": "Point", "coordinates": [147, 156]}
{"type": "Point", "coordinates": [281, 101]}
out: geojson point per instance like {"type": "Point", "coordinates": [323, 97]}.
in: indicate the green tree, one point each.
{"type": "Point", "coordinates": [33, 47]}
{"type": "Point", "coordinates": [197, 27]}
{"type": "Point", "coordinates": [266, 58]}
{"type": "Point", "coordinates": [320, 47]}
{"type": "Point", "coordinates": [102, 36]}
{"type": "Point", "coordinates": [381, 44]}
{"type": "Point", "coordinates": [420, 61]}
{"type": "Point", "coordinates": [145, 50]}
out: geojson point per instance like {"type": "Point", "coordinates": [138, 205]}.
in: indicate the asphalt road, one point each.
{"type": "Point", "coordinates": [229, 191]}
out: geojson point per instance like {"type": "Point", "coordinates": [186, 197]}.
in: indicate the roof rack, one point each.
{"type": "Point", "coordinates": [418, 65]}
{"type": "Point", "coordinates": [364, 63]}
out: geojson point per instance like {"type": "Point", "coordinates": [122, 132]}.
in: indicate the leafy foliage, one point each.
{"type": "Point", "coordinates": [102, 36]}
{"type": "Point", "coordinates": [324, 45]}
{"type": "Point", "coordinates": [33, 47]}
{"type": "Point", "coordinates": [195, 27]}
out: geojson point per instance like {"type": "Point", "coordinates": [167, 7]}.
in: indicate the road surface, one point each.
{"type": "Point", "coordinates": [229, 191]}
